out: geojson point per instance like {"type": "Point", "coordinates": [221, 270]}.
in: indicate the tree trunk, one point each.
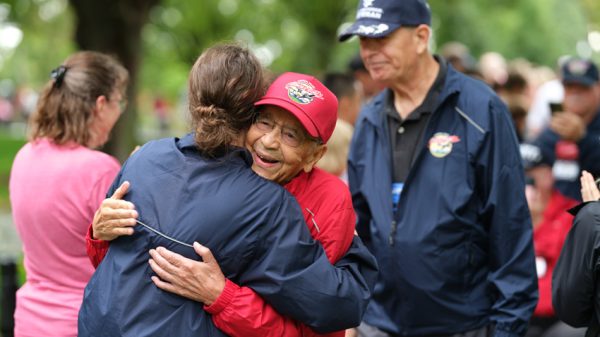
{"type": "Point", "coordinates": [114, 27]}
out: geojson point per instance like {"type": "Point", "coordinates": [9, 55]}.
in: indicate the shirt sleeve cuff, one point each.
{"type": "Point", "coordinates": [224, 299]}
{"type": "Point", "coordinates": [94, 242]}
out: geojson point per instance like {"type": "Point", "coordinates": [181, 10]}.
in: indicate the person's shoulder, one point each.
{"type": "Point", "coordinates": [376, 103]}
{"type": "Point", "coordinates": [158, 150]}
{"type": "Point", "coordinates": [591, 211]}
{"type": "Point", "coordinates": [371, 110]}
{"type": "Point", "coordinates": [469, 85]}
{"type": "Point", "coordinates": [324, 179]}
{"type": "Point", "coordinates": [158, 145]}
{"type": "Point", "coordinates": [268, 189]}
{"type": "Point", "coordinates": [587, 220]}
{"type": "Point", "coordinates": [328, 185]}
{"type": "Point", "coordinates": [92, 159]}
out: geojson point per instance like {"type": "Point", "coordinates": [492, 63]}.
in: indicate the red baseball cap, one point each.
{"type": "Point", "coordinates": [307, 99]}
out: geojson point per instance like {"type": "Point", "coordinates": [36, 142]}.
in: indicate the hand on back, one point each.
{"type": "Point", "coordinates": [115, 217]}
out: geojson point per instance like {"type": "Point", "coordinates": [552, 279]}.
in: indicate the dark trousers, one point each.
{"type": "Point", "coordinates": [8, 271]}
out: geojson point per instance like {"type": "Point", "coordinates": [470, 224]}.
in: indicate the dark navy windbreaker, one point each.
{"type": "Point", "coordinates": [254, 228]}
{"type": "Point", "coordinates": [458, 253]}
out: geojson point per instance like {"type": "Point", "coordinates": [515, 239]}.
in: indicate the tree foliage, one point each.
{"type": "Point", "coordinates": [286, 35]}
{"type": "Point", "coordinates": [538, 30]}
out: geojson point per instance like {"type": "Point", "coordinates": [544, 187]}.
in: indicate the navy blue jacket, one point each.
{"type": "Point", "coordinates": [254, 228]}
{"type": "Point", "coordinates": [458, 253]}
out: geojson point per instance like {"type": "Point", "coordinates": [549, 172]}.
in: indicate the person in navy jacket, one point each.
{"type": "Point", "coordinates": [201, 188]}
{"type": "Point", "coordinates": [438, 187]}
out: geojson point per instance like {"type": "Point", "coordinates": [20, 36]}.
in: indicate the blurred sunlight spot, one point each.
{"type": "Point", "coordinates": [584, 50]}
{"type": "Point", "coordinates": [171, 17]}
{"type": "Point", "coordinates": [10, 36]}
{"type": "Point", "coordinates": [275, 47]}
{"type": "Point", "coordinates": [267, 2]}
{"type": "Point", "coordinates": [161, 40]}
{"type": "Point", "coordinates": [264, 55]}
{"type": "Point", "coordinates": [4, 11]}
{"type": "Point", "coordinates": [228, 7]}
{"type": "Point", "coordinates": [245, 35]}
{"type": "Point", "coordinates": [594, 40]}
{"type": "Point", "coordinates": [292, 32]}
{"type": "Point", "coordinates": [52, 8]}
{"type": "Point", "coordinates": [149, 35]}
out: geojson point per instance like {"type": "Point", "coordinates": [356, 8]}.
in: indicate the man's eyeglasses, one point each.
{"type": "Point", "coordinates": [289, 136]}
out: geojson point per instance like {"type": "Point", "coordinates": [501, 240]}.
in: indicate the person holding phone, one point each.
{"type": "Point", "coordinates": [555, 107]}
{"type": "Point", "coordinates": [569, 143]}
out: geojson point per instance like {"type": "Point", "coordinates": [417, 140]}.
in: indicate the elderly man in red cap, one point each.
{"type": "Point", "coordinates": [295, 119]}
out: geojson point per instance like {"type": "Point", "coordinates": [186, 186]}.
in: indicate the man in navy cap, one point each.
{"type": "Point", "coordinates": [438, 187]}
{"type": "Point", "coordinates": [570, 143]}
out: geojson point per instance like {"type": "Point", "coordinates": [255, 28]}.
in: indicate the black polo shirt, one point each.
{"type": "Point", "coordinates": [406, 135]}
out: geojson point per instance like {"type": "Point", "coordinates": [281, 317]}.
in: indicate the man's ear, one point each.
{"type": "Point", "coordinates": [316, 156]}
{"type": "Point", "coordinates": [422, 34]}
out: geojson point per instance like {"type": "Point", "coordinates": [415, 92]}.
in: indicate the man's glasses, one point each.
{"type": "Point", "coordinates": [289, 136]}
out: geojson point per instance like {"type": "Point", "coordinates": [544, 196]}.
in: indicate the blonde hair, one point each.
{"type": "Point", "coordinates": [335, 159]}
{"type": "Point", "coordinates": [64, 110]}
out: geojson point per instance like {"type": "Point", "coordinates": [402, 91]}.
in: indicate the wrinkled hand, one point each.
{"type": "Point", "coordinates": [115, 217]}
{"type": "Point", "coordinates": [589, 189]}
{"type": "Point", "coordinates": [201, 281]}
{"type": "Point", "coordinates": [568, 126]}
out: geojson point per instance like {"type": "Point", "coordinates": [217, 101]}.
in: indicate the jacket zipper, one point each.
{"type": "Point", "coordinates": [393, 233]}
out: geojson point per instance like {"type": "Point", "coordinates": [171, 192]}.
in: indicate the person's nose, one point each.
{"type": "Point", "coordinates": [271, 139]}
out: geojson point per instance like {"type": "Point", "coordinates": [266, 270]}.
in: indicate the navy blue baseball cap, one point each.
{"type": "Point", "coordinates": [579, 71]}
{"type": "Point", "coordinates": [378, 18]}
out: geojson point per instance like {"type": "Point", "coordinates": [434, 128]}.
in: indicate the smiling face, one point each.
{"type": "Point", "coordinates": [280, 146]}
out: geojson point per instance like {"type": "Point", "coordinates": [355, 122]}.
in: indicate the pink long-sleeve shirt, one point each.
{"type": "Point", "coordinates": [54, 192]}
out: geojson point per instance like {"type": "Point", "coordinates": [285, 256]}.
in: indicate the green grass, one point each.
{"type": "Point", "coordinates": [9, 146]}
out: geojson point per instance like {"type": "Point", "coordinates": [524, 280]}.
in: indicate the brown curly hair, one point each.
{"type": "Point", "coordinates": [64, 110]}
{"type": "Point", "coordinates": [224, 83]}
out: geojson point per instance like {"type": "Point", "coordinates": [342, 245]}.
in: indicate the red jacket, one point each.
{"type": "Point", "coordinates": [239, 311]}
{"type": "Point", "coordinates": [548, 240]}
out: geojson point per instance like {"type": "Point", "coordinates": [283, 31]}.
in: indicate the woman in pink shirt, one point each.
{"type": "Point", "coordinates": [57, 182]}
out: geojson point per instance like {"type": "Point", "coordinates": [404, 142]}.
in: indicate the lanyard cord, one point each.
{"type": "Point", "coordinates": [163, 235]}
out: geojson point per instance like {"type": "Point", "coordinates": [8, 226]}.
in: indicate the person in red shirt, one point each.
{"type": "Point", "coordinates": [296, 118]}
